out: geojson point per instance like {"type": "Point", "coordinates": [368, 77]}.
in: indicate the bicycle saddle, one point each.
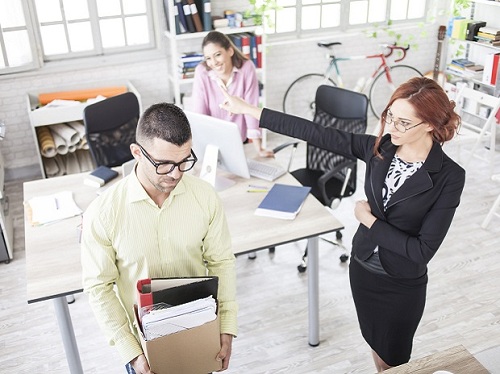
{"type": "Point", "coordinates": [328, 45]}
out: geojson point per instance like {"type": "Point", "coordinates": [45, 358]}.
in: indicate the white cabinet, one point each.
{"type": "Point", "coordinates": [42, 117]}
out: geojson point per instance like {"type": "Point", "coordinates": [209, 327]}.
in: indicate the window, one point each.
{"type": "Point", "coordinates": [17, 43]}
{"type": "Point", "coordinates": [299, 16]}
{"type": "Point", "coordinates": [68, 29]}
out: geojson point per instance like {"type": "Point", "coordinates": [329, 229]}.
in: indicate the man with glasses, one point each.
{"type": "Point", "coordinates": [157, 222]}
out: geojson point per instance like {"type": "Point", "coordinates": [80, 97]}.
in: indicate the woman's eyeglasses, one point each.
{"type": "Point", "coordinates": [167, 167]}
{"type": "Point", "coordinates": [400, 125]}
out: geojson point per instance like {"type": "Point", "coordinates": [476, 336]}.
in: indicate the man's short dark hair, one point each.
{"type": "Point", "coordinates": [164, 121]}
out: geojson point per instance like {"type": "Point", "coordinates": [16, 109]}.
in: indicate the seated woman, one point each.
{"type": "Point", "coordinates": [225, 68]}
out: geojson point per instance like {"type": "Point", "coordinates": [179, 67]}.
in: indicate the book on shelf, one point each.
{"type": "Point", "coordinates": [196, 17]}
{"type": "Point", "coordinates": [245, 45]}
{"type": "Point", "coordinates": [188, 64]}
{"type": "Point", "coordinates": [491, 68]}
{"type": "Point", "coordinates": [180, 17]}
{"type": "Point", "coordinates": [258, 40]}
{"type": "Point", "coordinates": [283, 201]}
{"type": "Point", "coordinates": [253, 49]}
{"type": "Point", "coordinates": [489, 30]}
{"type": "Point", "coordinates": [483, 35]}
{"type": "Point", "coordinates": [463, 62]}
{"type": "Point", "coordinates": [205, 12]}
{"type": "Point", "coordinates": [186, 8]}
{"type": "Point", "coordinates": [459, 29]}
{"type": "Point", "coordinates": [191, 56]}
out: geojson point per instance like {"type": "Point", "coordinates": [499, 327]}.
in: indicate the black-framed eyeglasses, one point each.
{"type": "Point", "coordinates": [167, 167]}
{"type": "Point", "coordinates": [400, 125]}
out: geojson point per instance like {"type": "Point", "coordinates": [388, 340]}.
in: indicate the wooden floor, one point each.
{"type": "Point", "coordinates": [463, 302]}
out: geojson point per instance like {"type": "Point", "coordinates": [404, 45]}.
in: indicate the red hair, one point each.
{"type": "Point", "coordinates": [431, 105]}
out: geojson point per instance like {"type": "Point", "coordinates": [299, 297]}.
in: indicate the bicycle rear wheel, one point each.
{"type": "Point", "coordinates": [300, 96]}
{"type": "Point", "coordinates": [381, 90]}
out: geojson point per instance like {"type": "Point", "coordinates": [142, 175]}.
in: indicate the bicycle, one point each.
{"type": "Point", "coordinates": [300, 95]}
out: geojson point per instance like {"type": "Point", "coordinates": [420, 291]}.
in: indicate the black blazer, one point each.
{"type": "Point", "coordinates": [418, 214]}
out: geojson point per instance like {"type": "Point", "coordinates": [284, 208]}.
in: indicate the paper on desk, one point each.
{"type": "Point", "coordinates": [51, 208]}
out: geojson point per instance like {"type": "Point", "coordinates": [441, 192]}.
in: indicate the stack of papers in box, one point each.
{"type": "Point", "coordinates": [158, 323]}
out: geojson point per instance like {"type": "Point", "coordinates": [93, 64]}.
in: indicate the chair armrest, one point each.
{"type": "Point", "coordinates": [323, 180]}
{"type": "Point", "coordinates": [285, 145]}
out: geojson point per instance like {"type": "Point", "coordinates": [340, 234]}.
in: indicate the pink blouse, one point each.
{"type": "Point", "coordinates": [207, 95]}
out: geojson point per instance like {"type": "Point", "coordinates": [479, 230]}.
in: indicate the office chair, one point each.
{"type": "Point", "coordinates": [332, 176]}
{"type": "Point", "coordinates": [110, 127]}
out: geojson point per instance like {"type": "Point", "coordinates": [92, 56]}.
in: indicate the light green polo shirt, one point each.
{"type": "Point", "coordinates": [126, 237]}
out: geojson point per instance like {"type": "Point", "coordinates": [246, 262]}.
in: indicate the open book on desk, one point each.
{"type": "Point", "coordinates": [51, 208]}
{"type": "Point", "coordinates": [283, 201]}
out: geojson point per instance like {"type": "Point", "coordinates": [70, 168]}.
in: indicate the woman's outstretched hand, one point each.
{"type": "Point", "coordinates": [235, 105]}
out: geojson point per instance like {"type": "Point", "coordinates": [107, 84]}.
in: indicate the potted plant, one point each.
{"type": "Point", "coordinates": [258, 12]}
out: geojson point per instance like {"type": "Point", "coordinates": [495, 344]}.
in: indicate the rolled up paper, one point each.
{"type": "Point", "coordinates": [61, 146]}
{"type": "Point", "coordinates": [72, 164]}
{"type": "Point", "coordinates": [69, 134]}
{"type": "Point", "coordinates": [46, 142]}
{"type": "Point", "coordinates": [85, 160]}
{"type": "Point", "coordinates": [78, 126]}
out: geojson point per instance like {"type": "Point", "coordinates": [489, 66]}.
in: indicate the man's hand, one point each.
{"type": "Point", "coordinates": [140, 365]}
{"type": "Point", "coordinates": [226, 342]}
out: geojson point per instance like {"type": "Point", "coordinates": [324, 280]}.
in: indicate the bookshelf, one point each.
{"type": "Point", "coordinates": [480, 10]}
{"type": "Point", "coordinates": [191, 42]}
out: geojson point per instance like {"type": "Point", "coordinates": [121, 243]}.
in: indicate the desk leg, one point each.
{"type": "Point", "coordinates": [313, 290]}
{"type": "Point", "coordinates": [68, 335]}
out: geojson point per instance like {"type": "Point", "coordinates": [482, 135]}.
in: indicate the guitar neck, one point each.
{"type": "Point", "coordinates": [437, 62]}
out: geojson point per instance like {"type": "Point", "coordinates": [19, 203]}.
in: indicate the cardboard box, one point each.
{"type": "Point", "coordinates": [192, 351]}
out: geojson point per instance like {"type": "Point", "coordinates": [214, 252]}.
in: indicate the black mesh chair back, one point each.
{"type": "Point", "coordinates": [330, 175]}
{"type": "Point", "coordinates": [110, 126]}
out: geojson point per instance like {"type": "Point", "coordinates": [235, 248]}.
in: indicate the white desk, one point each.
{"type": "Point", "coordinates": [53, 268]}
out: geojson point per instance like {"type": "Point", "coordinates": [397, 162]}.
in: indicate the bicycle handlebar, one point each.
{"type": "Point", "coordinates": [392, 47]}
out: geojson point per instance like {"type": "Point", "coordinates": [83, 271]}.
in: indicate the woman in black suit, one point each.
{"type": "Point", "coordinates": [412, 190]}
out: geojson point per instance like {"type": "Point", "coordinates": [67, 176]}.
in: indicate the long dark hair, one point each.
{"type": "Point", "coordinates": [431, 105]}
{"type": "Point", "coordinates": [216, 37]}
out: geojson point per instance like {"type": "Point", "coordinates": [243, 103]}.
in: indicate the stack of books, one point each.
{"type": "Point", "coordinates": [488, 35]}
{"type": "Point", "coordinates": [187, 64]}
{"type": "Point", "coordinates": [465, 68]}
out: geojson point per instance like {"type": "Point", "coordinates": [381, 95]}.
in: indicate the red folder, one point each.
{"type": "Point", "coordinates": [258, 39]}
{"type": "Point", "coordinates": [245, 45]}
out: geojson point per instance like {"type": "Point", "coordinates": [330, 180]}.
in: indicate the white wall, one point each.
{"type": "Point", "coordinates": [285, 62]}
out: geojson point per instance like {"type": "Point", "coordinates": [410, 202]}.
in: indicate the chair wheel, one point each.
{"type": "Point", "coordinates": [338, 234]}
{"type": "Point", "coordinates": [344, 257]}
{"type": "Point", "coordinates": [301, 268]}
{"type": "Point", "coordinates": [252, 256]}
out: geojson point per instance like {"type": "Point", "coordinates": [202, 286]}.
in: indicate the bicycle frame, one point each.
{"type": "Point", "coordinates": [334, 67]}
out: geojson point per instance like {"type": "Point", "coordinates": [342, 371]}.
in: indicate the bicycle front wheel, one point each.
{"type": "Point", "coordinates": [300, 97]}
{"type": "Point", "coordinates": [381, 90]}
